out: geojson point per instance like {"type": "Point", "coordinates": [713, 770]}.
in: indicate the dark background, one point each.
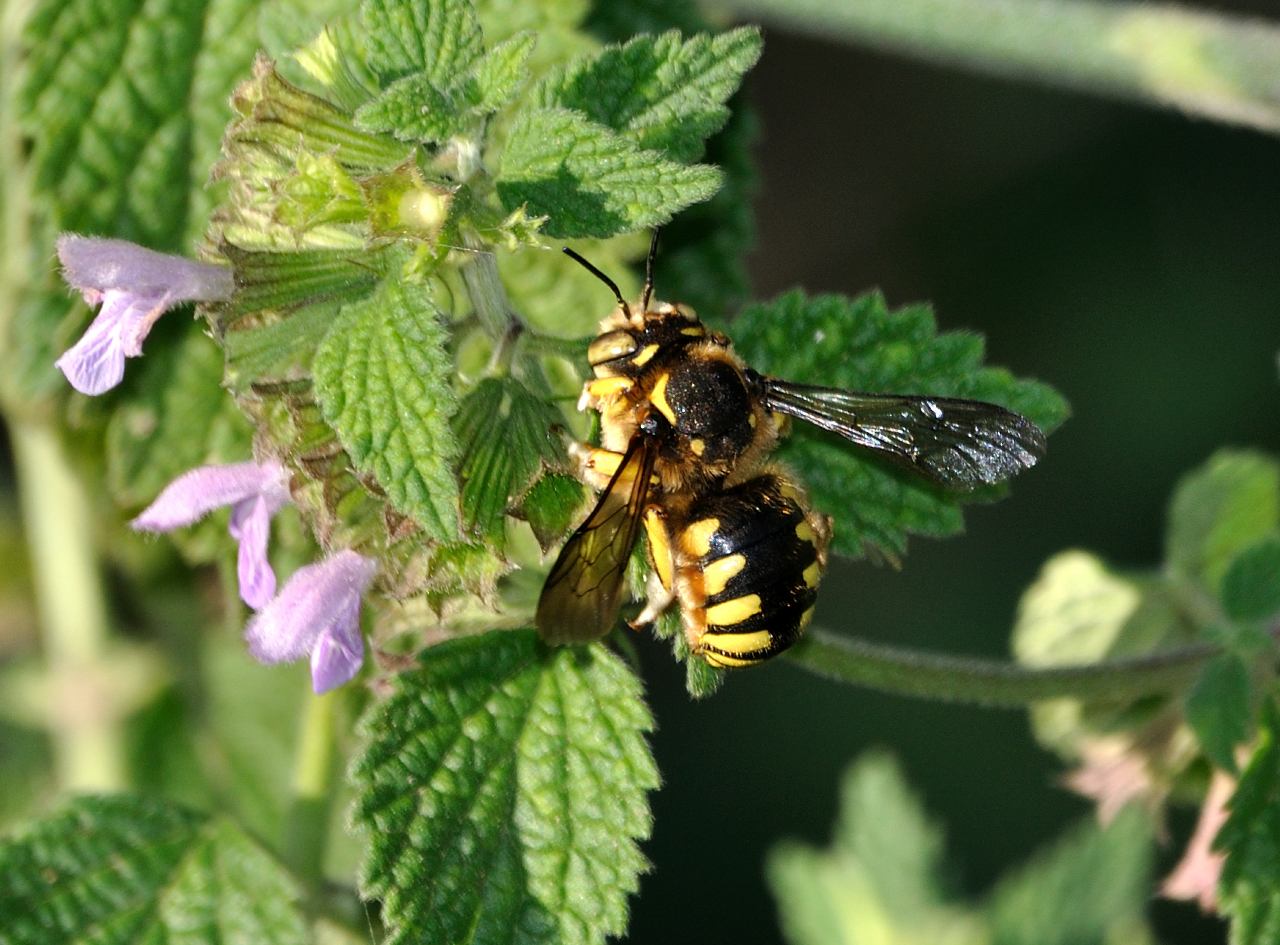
{"type": "Point", "coordinates": [1127, 256]}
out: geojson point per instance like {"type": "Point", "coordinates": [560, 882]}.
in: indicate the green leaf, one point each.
{"type": "Point", "coordinates": [664, 93]}
{"type": "Point", "coordinates": [590, 181]}
{"type": "Point", "coordinates": [126, 105]}
{"type": "Point", "coordinates": [503, 789]}
{"type": "Point", "coordinates": [382, 378]}
{"type": "Point", "coordinates": [858, 344]}
{"type": "Point", "coordinates": [414, 108]}
{"type": "Point", "coordinates": [438, 38]}
{"type": "Point", "coordinates": [1218, 510]}
{"type": "Point", "coordinates": [505, 434]}
{"type": "Point", "coordinates": [1249, 888]}
{"type": "Point", "coordinates": [130, 869]}
{"type": "Point", "coordinates": [615, 20]}
{"type": "Point", "coordinates": [879, 881]}
{"type": "Point", "coordinates": [1251, 585]}
{"type": "Point", "coordinates": [1091, 886]}
{"type": "Point", "coordinates": [552, 506]}
{"type": "Point", "coordinates": [1079, 611]}
{"type": "Point", "coordinates": [179, 417]}
{"type": "Point", "coordinates": [1218, 708]}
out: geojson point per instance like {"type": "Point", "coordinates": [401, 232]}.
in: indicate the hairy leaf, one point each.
{"type": "Point", "coordinates": [1091, 886]}
{"type": "Point", "coordinates": [858, 344]}
{"type": "Point", "coordinates": [1251, 584]}
{"type": "Point", "coordinates": [126, 105]}
{"type": "Point", "coordinates": [505, 434]}
{"type": "Point", "coordinates": [502, 786]}
{"type": "Point", "coordinates": [127, 869]}
{"type": "Point", "coordinates": [416, 108]}
{"type": "Point", "coordinates": [552, 506]}
{"type": "Point", "coordinates": [590, 181]}
{"type": "Point", "coordinates": [664, 93]}
{"type": "Point", "coordinates": [438, 38]}
{"type": "Point", "coordinates": [1229, 503]}
{"type": "Point", "coordinates": [1249, 888]}
{"type": "Point", "coordinates": [382, 378]}
{"type": "Point", "coordinates": [1219, 710]}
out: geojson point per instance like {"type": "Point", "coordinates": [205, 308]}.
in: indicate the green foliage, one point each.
{"type": "Point", "coordinates": [130, 869]}
{"type": "Point", "coordinates": [664, 93]}
{"type": "Point", "coordinates": [551, 506]}
{"type": "Point", "coordinates": [382, 378]}
{"type": "Point", "coordinates": [109, 159]}
{"type": "Point", "coordinates": [508, 435]}
{"type": "Point", "coordinates": [1249, 889]}
{"type": "Point", "coordinates": [1251, 585]}
{"type": "Point", "coordinates": [1219, 708]}
{"type": "Point", "coordinates": [880, 882]}
{"type": "Point", "coordinates": [502, 788]}
{"type": "Point", "coordinates": [859, 344]}
{"type": "Point", "coordinates": [1091, 886]}
{"type": "Point", "coordinates": [1233, 501]}
{"type": "Point", "coordinates": [590, 181]}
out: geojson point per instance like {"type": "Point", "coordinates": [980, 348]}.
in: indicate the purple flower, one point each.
{"type": "Point", "coordinates": [317, 612]}
{"type": "Point", "coordinates": [135, 286]}
{"type": "Point", "coordinates": [255, 492]}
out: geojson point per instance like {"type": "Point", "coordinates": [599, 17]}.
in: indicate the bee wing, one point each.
{"type": "Point", "coordinates": [958, 443]}
{"type": "Point", "coordinates": [583, 592]}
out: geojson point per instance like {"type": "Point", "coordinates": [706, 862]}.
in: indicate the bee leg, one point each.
{"type": "Point", "coordinates": [660, 590]}
{"type": "Point", "coordinates": [602, 388]}
{"type": "Point", "coordinates": [596, 466]}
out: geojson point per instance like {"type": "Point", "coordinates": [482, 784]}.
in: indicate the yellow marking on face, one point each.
{"type": "Point", "coordinates": [723, 661]}
{"type": "Point", "coordinates": [813, 574]}
{"type": "Point", "coordinates": [658, 397]}
{"type": "Point", "coordinates": [603, 387]}
{"type": "Point", "coordinates": [645, 356]}
{"type": "Point", "coordinates": [717, 575]}
{"type": "Point", "coordinates": [804, 531]}
{"type": "Point", "coordinates": [659, 546]}
{"type": "Point", "coordinates": [737, 644]}
{"type": "Point", "coordinates": [805, 618]}
{"type": "Point", "coordinates": [751, 420]}
{"type": "Point", "coordinates": [614, 344]}
{"type": "Point", "coordinates": [698, 446]}
{"type": "Point", "coordinates": [693, 331]}
{"type": "Point", "coordinates": [733, 611]}
{"type": "Point", "coordinates": [696, 539]}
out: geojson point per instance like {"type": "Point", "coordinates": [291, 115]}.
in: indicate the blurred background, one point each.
{"type": "Point", "coordinates": [1129, 257]}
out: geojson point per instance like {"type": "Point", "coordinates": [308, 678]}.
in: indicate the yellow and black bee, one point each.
{"type": "Point", "coordinates": [686, 432]}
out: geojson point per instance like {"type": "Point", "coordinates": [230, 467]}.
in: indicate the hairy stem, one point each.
{"type": "Point", "coordinates": [306, 828]}
{"type": "Point", "coordinates": [994, 682]}
{"type": "Point", "coordinates": [1209, 64]}
{"type": "Point", "coordinates": [88, 744]}
{"type": "Point", "coordinates": [488, 297]}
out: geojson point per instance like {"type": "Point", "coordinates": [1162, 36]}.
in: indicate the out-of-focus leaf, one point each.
{"type": "Point", "coordinates": [1219, 709]}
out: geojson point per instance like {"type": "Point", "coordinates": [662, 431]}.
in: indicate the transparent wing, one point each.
{"type": "Point", "coordinates": [958, 443]}
{"type": "Point", "coordinates": [583, 592]}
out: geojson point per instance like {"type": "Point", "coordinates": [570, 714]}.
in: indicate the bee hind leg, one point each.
{"type": "Point", "coordinates": [660, 589]}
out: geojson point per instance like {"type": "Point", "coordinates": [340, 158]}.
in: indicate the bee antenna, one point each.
{"type": "Point", "coordinates": [602, 277]}
{"type": "Point", "coordinates": [648, 271]}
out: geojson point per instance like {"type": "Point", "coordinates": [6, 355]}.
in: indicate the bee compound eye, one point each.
{"type": "Point", "coordinates": [611, 346]}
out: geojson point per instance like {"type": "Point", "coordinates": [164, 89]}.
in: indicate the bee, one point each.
{"type": "Point", "coordinates": [687, 429]}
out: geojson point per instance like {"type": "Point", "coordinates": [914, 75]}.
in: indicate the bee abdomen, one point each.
{"type": "Point", "coordinates": [752, 563]}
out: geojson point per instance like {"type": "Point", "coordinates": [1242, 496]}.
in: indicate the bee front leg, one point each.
{"type": "Point", "coordinates": [660, 590]}
{"type": "Point", "coordinates": [596, 466]}
{"type": "Point", "coordinates": [599, 389]}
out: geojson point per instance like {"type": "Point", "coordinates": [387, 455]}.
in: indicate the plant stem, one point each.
{"type": "Point", "coordinates": [488, 297]}
{"type": "Point", "coordinates": [88, 744]}
{"type": "Point", "coordinates": [1213, 65]}
{"type": "Point", "coordinates": [994, 682]}
{"type": "Point", "coordinates": [306, 830]}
